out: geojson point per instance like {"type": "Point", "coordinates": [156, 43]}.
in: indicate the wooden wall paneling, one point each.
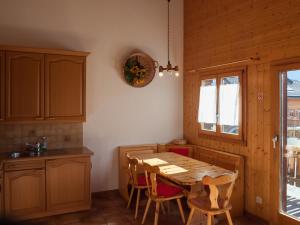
{"type": "Point", "coordinates": [2, 85]}
{"type": "Point", "coordinates": [123, 164]}
{"type": "Point", "coordinates": [268, 135]}
{"type": "Point", "coordinates": [24, 86]}
{"type": "Point", "coordinates": [190, 99]}
{"type": "Point", "coordinates": [258, 164]}
{"type": "Point", "coordinates": [247, 27]}
{"type": "Point", "coordinates": [252, 137]}
{"type": "Point", "coordinates": [65, 87]}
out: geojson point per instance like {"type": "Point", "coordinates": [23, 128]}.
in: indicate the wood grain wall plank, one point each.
{"type": "Point", "coordinates": [218, 32]}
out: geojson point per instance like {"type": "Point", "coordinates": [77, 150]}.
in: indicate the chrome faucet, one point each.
{"type": "Point", "coordinates": [40, 145]}
{"type": "Point", "coordinates": [33, 147]}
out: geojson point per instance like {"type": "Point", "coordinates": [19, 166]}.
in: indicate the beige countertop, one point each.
{"type": "Point", "coordinates": [49, 154]}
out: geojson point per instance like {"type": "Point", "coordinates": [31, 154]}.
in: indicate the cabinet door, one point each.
{"type": "Point", "coordinates": [68, 184]}
{"type": "Point", "coordinates": [2, 86]}
{"type": "Point", "coordinates": [24, 86]}
{"type": "Point", "coordinates": [24, 193]}
{"type": "Point", "coordinates": [65, 87]}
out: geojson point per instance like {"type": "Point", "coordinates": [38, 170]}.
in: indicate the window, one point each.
{"type": "Point", "coordinates": [220, 111]}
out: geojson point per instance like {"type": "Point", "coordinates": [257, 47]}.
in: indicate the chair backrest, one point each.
{"type": "Point", "coordinates": [133, 165]}
{"type": "Point", "coordinates": [151, 172]}
{"type": "Point", "coordinates": [221, 188]}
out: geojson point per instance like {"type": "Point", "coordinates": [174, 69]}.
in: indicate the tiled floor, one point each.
{"type": "Point", "coordinates": [110, 209]}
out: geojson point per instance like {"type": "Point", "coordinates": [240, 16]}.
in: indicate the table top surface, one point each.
{"type": "Point", "coordinates": [180, 169]}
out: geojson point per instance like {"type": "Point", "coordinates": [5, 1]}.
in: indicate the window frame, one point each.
{"type": "Point", "coordinates": [240, 72]}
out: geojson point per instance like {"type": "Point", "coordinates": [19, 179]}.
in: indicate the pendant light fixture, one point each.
{"type": "Point", "coordinates": [169, 68]}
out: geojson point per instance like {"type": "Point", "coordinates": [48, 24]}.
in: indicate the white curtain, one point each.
{"type": "Point", "coordinates": [229, 104]}
{"type": "Point", "coordinates": [207, 104]}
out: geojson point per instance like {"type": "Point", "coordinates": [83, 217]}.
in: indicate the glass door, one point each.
{"type": "Point", "coordinates": [289, 146]}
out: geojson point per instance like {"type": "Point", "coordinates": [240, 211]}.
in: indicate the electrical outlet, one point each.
{"type": "Point", "coordinates": [259, 200]}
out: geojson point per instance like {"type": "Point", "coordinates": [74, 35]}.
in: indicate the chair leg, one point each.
{"type": "Point", "coordinates": [130, 198]}
{"type": "Point", "coordinates": [208, 219]}
{"type": "Point", "coordinates": [156, 213]}
{"type": "Point", "coordinates": [163, 209]}
{"type": "Point", "coordinates": [180, 210]}
{"type": "Point", "coordinates": [137, 203]}
{"type": "Point", "coordinates": [190, 216]}
{"type": "Point", "coordinates": [229, 217]}
{"type": "Point", "coordinates": [146, 210]}
{"type": "Point", "coordinates": [212, 219]}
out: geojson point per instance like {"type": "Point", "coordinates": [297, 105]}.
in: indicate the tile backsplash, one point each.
{"type": "Point", "coordinates": [61, 135]}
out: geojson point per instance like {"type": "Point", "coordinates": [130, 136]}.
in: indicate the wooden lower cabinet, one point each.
{"type": "Point", "coordinates": [1, 195]}
{"type": "Point", "coordinates": [24, 193]}
{"type": "Point", "coordinates": [68, 184]}
{"type": "Point", "coordinates": [38, 188]}
{"type": "Point", "coordinates": [2, 85]}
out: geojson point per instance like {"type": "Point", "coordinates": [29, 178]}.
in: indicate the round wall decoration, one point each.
{"type": "Point", "coordinates": [139, 70]}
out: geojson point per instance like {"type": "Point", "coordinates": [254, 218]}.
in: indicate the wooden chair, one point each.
{"type": "Point", "coordinates": [137, 181]}
{"type": "Point", "coordinates": [159, 192]}
{"type": "Point", "coordinates": [218, 200]}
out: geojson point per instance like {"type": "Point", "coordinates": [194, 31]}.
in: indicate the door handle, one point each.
{"type": "Point", "coordinates": [275, 140]}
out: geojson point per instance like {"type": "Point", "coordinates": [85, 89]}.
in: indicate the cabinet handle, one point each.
{"type": "Point", "coordinates": [39, 118]}
{"type": "Point", "coordinates": [51, 118]}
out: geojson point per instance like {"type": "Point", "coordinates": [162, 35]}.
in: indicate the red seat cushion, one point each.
{"type": "Point", "coordinates": [142, 180]}
{"type": "Point", "coordinates": [180, 151]}
{"type": "Point", "coordinates": [167, 191]}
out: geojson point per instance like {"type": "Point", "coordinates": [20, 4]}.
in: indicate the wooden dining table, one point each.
{"type": "Point", "coordinates": [179, 169]}
{"type": "Point", "coordinates": [184, 171]}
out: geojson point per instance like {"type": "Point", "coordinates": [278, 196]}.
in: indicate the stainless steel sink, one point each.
{"type": "Point", "coordinates": [22, 154]}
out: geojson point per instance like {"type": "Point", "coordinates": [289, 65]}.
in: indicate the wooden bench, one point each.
{"type": "Point", "coordinates": [231, 162]}
{"type": "Point", "coordinates": [123, 165]}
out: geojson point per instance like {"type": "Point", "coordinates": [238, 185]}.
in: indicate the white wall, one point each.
{"type": "Point", "coordinates": [117, 114]}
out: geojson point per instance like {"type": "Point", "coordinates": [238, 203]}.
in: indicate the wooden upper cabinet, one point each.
{"type": "Point", "coordinates": [42, 84]}
{"type": "Point", "coordinates": [65, 87]}
{"type": "Point", "coordinates": [24, 193]}
{"type": "Point", "coordinates": [2, 85]}
{"type": "Point", "coordinates": [24, 86]}
{"type": "Point", "coordinates": [68, 184]}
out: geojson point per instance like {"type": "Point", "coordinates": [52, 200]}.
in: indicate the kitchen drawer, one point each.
{"type": "Point", "coordinates": [24, 165]}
